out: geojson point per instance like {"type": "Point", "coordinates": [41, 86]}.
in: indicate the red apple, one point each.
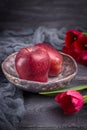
{"type": "Point", "coordinates": [33, 63]}
{"type": "Point", "coordinates": [55, 59]}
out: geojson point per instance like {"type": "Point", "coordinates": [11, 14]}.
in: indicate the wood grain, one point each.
{"type": "Point", "coordinates": [51, 13]}
{"type": "Point", "coordinates": [43, 113]}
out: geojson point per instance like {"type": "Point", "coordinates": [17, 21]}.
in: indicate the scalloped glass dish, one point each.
{"type": "Point", "coordinates": [69, 70]}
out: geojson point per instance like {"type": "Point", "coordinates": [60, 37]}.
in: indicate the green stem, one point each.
{"type": "Point", "coordinates": [78, 88]}
{"type": "Point", "coordinates": [85, 33]}
{"type": "Point", "coordinates": [85, 99]}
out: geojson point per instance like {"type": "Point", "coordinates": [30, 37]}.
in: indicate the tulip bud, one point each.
{"type": "Point", "coordinates": [71, 101]}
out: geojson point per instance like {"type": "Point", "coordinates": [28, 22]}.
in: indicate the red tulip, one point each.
{"type": "Point", "coordinates": [71, 101]}
{"type": "Point", "coordinates": [76, 46]}
{"type": "Point", "coordinates": [82, 57]}
{"type": "Point", "coordinates": [81, 44]}
{"type": "Point", "coordinates": [72, 36]}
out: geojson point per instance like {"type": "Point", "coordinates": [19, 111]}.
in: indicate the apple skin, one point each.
{"type": "Point", "coordinates": [33, 63]}
{"type": "Point", "coordinates": [55, 59]}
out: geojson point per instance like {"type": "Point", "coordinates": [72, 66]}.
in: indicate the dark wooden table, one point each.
{"type": "Point", "coordinates": [42, 112]}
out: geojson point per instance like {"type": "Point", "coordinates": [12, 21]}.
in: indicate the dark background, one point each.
{"type": "Point", "coordinates": [51, 13]}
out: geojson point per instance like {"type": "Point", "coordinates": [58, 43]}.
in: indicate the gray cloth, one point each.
{"type": "Point", "coordinates": [11, 98]}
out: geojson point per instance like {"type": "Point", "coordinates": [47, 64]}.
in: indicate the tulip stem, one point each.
{"type": "Point", "coordinates": [85, 99]}
{"type": "Point", "coordinates": [78, 88]}
{"type": "Point", "coordinates": [85, 33]}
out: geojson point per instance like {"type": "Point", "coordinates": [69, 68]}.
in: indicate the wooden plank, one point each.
{"type": "Point", "coordinates": [42, 112]}
{"type": "Point", "coordinates": [56, 13]}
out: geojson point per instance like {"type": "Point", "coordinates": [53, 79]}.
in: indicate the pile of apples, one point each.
{"type": "Point", "coordinates": [38, 62]}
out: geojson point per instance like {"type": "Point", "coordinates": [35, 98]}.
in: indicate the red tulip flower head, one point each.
{"type": "Point", "coordinates": [71, 101]}
{"type": "Point", "coordinates": [76, 46]}
{"type": "Point", "coordinates": [81, 44]}
{"type": "Point", "coordinates": [72, 36]}
{"type": "Point", "coordinates": [81, 47]}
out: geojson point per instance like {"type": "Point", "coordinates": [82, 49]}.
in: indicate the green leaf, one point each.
{"type": "Point", "coordinates": [78, 88]}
